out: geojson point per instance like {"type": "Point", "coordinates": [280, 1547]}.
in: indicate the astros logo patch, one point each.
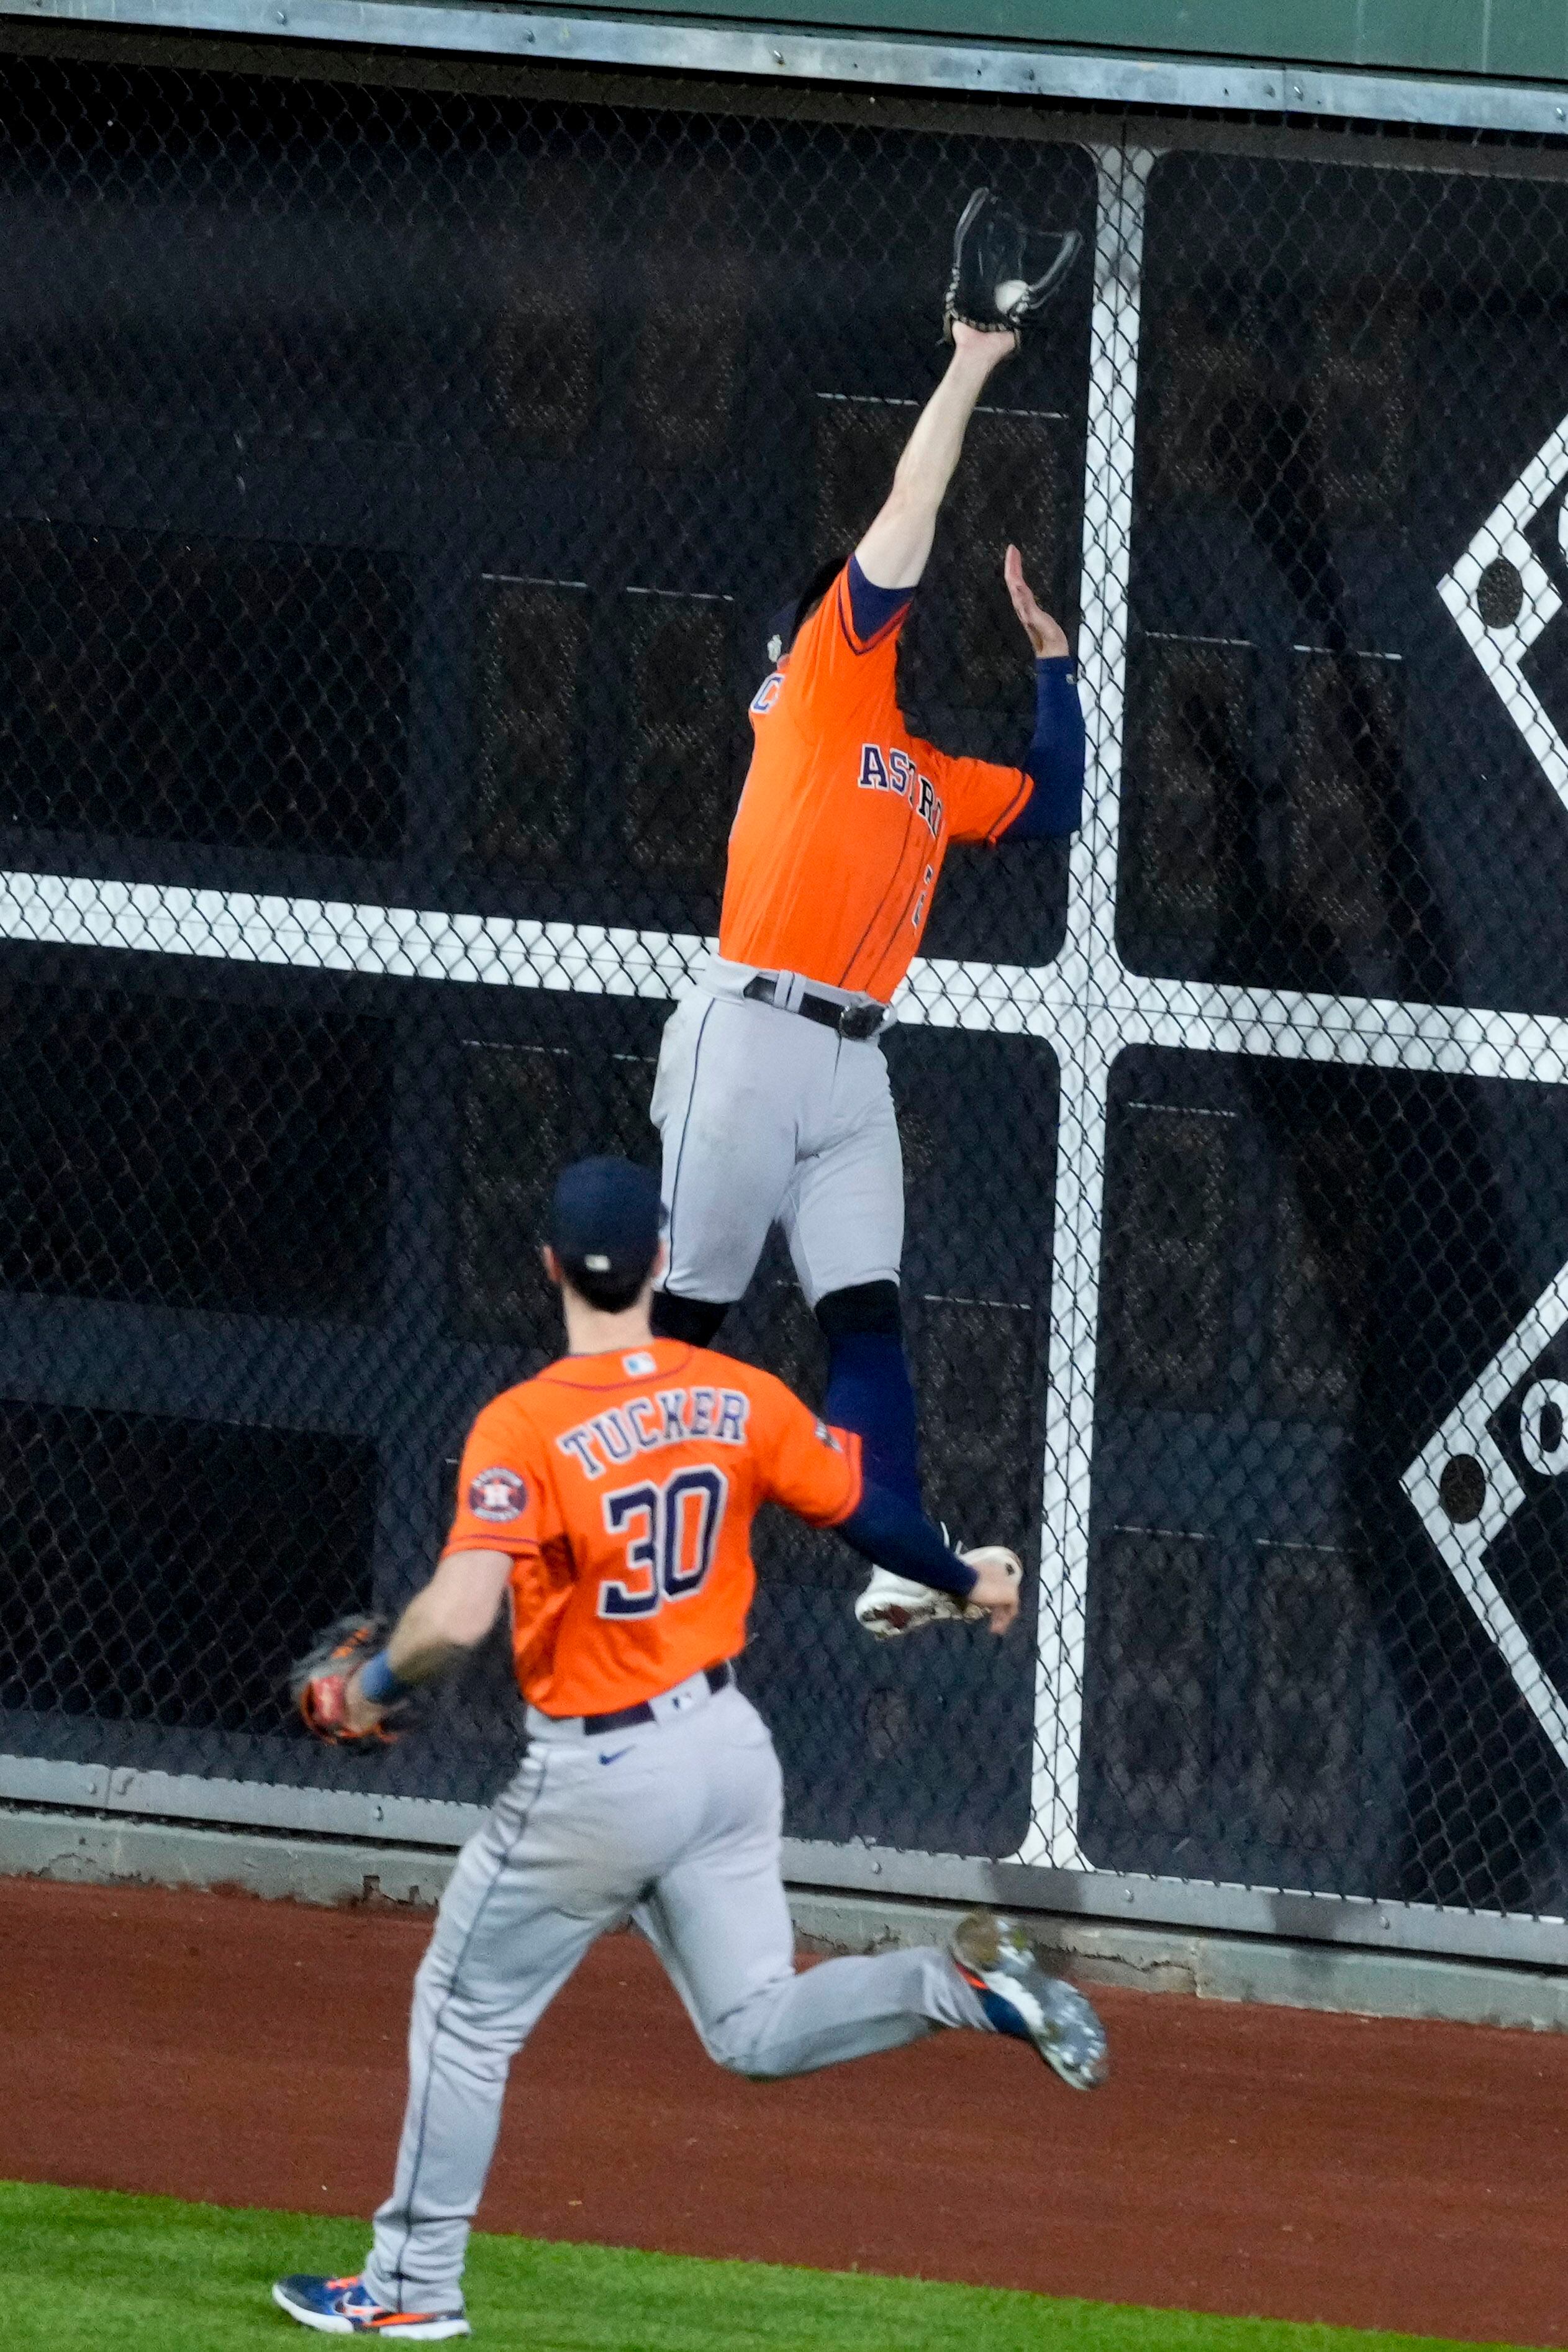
{"type": "Point", "coordinates": [497, 1495]}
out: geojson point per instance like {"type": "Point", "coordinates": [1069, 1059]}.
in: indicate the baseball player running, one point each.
{"type": "Point", "coordinates": [611, 1498]}
{"type": "Point", "coordinates": [772, 1097]}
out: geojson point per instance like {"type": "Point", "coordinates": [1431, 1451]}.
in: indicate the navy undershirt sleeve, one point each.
{"type": "Point", "coordinates": [893, 1534]}
{"type": "Point", "coordinates": [1055, 760]}
{"type": "Point", "coordinates": [870, 606]}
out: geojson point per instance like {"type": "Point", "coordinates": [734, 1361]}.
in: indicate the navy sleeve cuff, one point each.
{"type": "Point", "coordinates": [871, 607]}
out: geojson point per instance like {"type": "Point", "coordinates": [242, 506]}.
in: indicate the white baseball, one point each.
{"type": "Point", "coordinates": [1010, 294]}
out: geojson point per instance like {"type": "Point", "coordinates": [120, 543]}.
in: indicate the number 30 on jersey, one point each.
{"type": "Point", "coordinates": [671, 1532]}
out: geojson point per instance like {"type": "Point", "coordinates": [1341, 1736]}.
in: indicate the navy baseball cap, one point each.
{"type": "Point", "coordinates": [606, 1218]}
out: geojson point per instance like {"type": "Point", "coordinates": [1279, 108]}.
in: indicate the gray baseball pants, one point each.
{"type": "Point", "coordinates": [678, 1823]}
{"type": "Point", "coordinates": [766, 1118]}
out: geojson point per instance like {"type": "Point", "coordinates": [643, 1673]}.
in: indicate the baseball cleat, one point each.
{"type": "Point", "coordinates": [891, 1605]}
{"type": "Point", "coordinates": [995, 1956]}
{"type": "Point", "coordinates": [340, 2307]}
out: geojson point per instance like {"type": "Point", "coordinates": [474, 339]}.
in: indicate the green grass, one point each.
{"type": "Point", "coordinates": [84, 2269]}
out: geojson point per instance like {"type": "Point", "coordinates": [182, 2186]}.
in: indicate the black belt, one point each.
{"type": "Point", "coordinates": [717, 1677]}
{"type": "Point", "coordinates": [855, 1021]}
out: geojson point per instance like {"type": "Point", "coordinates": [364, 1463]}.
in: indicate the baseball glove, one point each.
{"type": "Point", "coordinates": [993, 253]}
{"type": "Point", "coordinates": [316, 1684]}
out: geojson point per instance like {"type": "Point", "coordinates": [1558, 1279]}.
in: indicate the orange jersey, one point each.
{"type": "Point", "coordinates": [624, 1485]}
{"type": "Point", "coordinates": [845, 817]}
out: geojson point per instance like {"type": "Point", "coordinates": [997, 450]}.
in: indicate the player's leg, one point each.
{"type": "Point", "coordinates": [869, 1389]}
{"type": "Point", "coordinates": [531, 1893]}
{"type": "Point", "coordinates": [724, 1106]}
{"type": "Point", "coordinates": [719, 1919]}
{"type": "Point", "coordinates": [843, 1218]}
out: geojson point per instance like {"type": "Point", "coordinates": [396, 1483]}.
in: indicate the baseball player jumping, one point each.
{"type": "Point", "coordinates": [772, 1097]}
{"type": "Point", "coordinates": [611, 1498]}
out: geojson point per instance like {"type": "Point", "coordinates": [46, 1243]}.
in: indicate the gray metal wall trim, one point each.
{"type": "Point", "coordinates": [235, 1804]}
{"type": "Point", "coordinates": [1352, 1920]}
{"type": "Point", "coordinates": [1013, 70]}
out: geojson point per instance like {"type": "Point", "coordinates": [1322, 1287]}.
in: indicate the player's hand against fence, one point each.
{"type": "Point", "coordinates": [1046, 635]}
{"type": "Point", "coordinates": [999, 1576]}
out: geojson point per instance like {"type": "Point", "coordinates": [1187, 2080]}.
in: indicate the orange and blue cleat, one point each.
{"type": "Point", "coordinates": [340, 2307]}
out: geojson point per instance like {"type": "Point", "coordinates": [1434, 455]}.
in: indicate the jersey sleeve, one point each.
{"type": "Point", "coordinates": [981, 800]}
{"type": "Point", "coordinates": [505, 1500]}
{"type": "Point", "coordinates": [835, 675]}
{"type": "Point", "coordinates": [813, 1470]}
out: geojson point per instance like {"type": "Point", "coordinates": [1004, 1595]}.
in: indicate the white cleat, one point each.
{"type": "Point", "coordinates": [891, 1605]}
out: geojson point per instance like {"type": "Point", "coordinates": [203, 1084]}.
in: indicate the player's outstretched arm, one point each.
{"type": "Point", "coordinates": [894, 551]}
{"type": "Point", "coordinates": [442, 1623]}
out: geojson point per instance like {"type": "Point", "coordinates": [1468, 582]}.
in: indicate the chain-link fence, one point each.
{"type": "Point", "coordinates": [395, 482]}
